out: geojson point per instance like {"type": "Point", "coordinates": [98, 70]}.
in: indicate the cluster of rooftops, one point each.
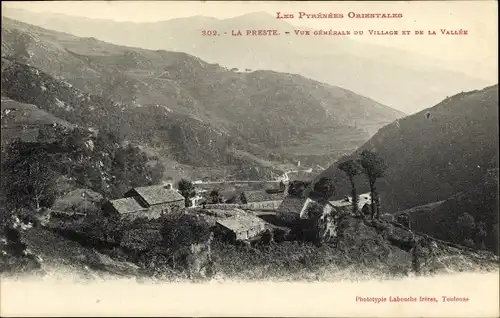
{"type": "Point", "coordinates": [298, 205]}
{"type": "Point", "coordinates": [164, 198]}
{"type": "Point", "coordinates": [140, 199]}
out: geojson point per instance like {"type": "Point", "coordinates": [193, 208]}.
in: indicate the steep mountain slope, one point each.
{"type": "Point", "coordinates": [468, 218]}
{"type": "Point", "coordinates": [415, 81]}
{"type": "Point", "coordinates": [263, 109]}
{"type": "Point", "coordinates": [49, 160]}
{"type": "Point", "coordinates": [435, 153]}
{"type": "Point", "coordinates": [179, 134]}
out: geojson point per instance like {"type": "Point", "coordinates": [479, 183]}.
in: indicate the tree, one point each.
{"type": "Point", "coordinates": [157, 172]}
{"type": "Point", "coordinates": [351, 168]}
{"type": "Point", "coordinates": [29, 177]}
{"type": "Point", "coordinates": [20, 46]}
{"type": "Point", "coordinates": [282, 186]}
{"type": "Point", "coordinates": [404, 219]}
{"type": "Point", "coordinates": [373, 167]}
{"type": "Point", "coordinates": [314, 210]}
{"type": "Point", "coordinates": [466, 225]}
{"type": "Point", "coordinates": [187, 190]}
{"type": "Point", "coordinates": [297, 187]}
{"type": "Point", "coordinates": [469, 242]}
{"type": "Point", "coordinates": [215, 196]}
{"type": "Point", "coordinates": [481, 232]}
{"type": "Point", "coordinates": [180, 232]}
{"type": "Point", "coordinates": [324, 188]}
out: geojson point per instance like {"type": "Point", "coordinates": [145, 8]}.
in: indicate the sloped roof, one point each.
{"type": "Point", "coordinates": [158, 194]}
{"type": "Point", "coordinates": [262, 195]}
{"type": "Point", "coordinates": [293, 205]}
{"type": "Point", "coordinates": [241, 222]}
{"type": "Point", "coordinates": [363, 198]}
{"type": "Point", "coordinates": [127, 205]}
{"type": "Point", "coordinates": [341, 203]}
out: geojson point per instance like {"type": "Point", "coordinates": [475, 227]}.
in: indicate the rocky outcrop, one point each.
{"type": "Point", "coordinates": [103, 262]}
{"type": "Point", "coordinates": [327, 227]}
{"type": "Point", "coordinates": [197, 260]}
{"type": "Point", "coordinates": [395, 245]}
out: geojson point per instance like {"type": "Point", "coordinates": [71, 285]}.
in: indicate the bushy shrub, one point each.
{"type": "Point", "coordinates": [181, 231]}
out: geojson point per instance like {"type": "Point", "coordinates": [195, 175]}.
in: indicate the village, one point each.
{"type": "Point", "coordinates": [244, 211]}
{"type": "Point", "coordinates": [185, 227]}
{"type": "Point", "coordinates": [240, 210]}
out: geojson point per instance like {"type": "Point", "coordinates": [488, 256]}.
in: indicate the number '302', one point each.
{"type": "Point", "coordinates": [208, 32]}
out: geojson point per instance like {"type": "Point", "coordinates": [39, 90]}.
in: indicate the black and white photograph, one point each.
{"type": "Point", "coordinates": [193, 142]}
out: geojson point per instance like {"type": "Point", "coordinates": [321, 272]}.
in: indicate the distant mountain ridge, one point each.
{"type": "Point", "coordinates": [263, 112]}
{"type": "Point", "coordinates": [400, 79]}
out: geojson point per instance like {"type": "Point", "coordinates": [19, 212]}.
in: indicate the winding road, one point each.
{"type": "Point", "coordinates": [284, 177]}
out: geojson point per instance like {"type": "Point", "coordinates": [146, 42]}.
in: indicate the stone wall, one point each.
{"type": "Point", "coordinates": [150, 214]}
{"type": "Point", "coordinates": [224, 206]}
{"type": "Point", "coordinates": [225, 234]}
{"type": "Point", "coordinates": [254, 231]}
{"type": "Point", "coordinates": [156, 211]}
{"type": "Point", "coordinates": [265, 205]}
{"type": "Point", "coordinates": [167, 208]}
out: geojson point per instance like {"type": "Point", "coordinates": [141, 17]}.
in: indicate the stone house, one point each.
{"type": "Point", "coordinates": [293, 209]}
{"type": "Point", "coordinates": [241, 227]}
{"type": "Point", "coordinates": [150, 202]}
{"type": "Point", "coordinates": [345, 205]}
{"type": "Point", "coordinates": [387, 217]}
{"type": "Point", "coordinates": [309, 219]}
{"type": "Point", "coordinates": [262, 200]}
{"type": "Point", "coordinates": [158, 199]}
{"type": "Point", "coordinates": [124, 208]}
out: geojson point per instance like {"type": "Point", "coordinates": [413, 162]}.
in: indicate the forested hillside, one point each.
{"type": "Point", "coordinates": [433, 154]}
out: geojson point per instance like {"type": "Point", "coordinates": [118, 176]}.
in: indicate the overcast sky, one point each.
{"type": "Point", "coordinates": [478, 17]}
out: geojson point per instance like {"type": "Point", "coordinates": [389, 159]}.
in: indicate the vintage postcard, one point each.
{"type": "Point", "coordinates": [227, 158]}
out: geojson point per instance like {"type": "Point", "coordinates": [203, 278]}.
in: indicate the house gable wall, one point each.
{"type": "Point", "coordinates": [109, 210]}
{"type": "Point", "coordinates": [288, 217]}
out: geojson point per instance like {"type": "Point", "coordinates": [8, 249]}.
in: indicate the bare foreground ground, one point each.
{"type": "Point", "coordinates": [65, 293]}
